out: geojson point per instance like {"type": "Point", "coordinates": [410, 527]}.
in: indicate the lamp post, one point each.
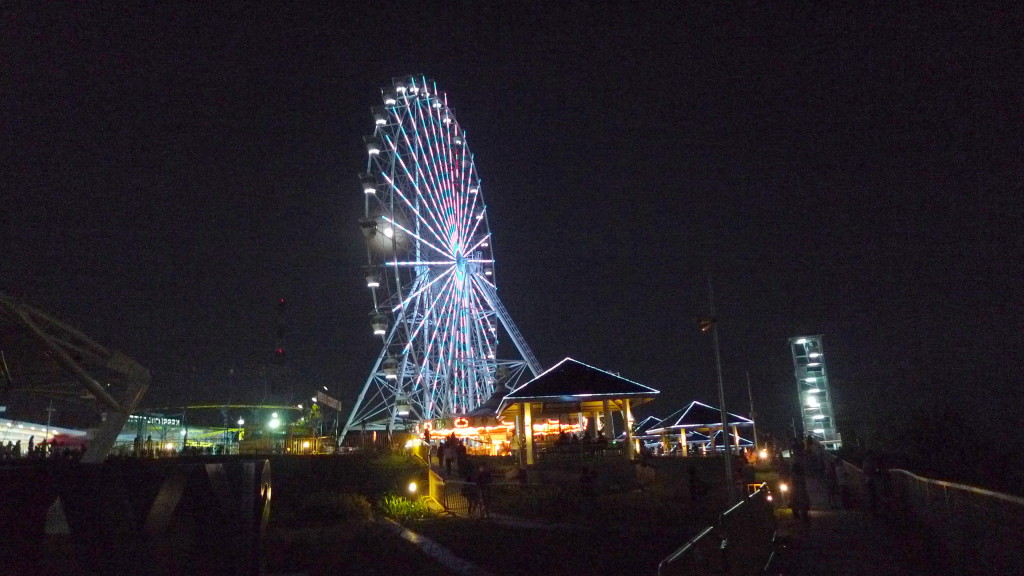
{"type": "Point", "coordinates": [753, 418]}
{"type": "Point", "coordinates": [712, 325]}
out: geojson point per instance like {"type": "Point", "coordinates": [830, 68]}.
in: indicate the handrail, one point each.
{"type": "Point", "coordinates": [744, 540]}
{"type": "Point", "coordinates": [973, 489]}
{"type": "Point", "coordinates": [977, 531]}
{"type": "Point", "coordinates": [685, 548]}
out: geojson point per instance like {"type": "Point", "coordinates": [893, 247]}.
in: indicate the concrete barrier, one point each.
{"type": "Point", "coordinates": [162, 518]}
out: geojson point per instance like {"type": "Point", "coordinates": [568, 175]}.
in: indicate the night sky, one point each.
{"type": "Point", "coordinates": [169, 172]}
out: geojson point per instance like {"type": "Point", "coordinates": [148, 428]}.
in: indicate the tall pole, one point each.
{"type": "Point", "coordinates": [727, 453]}
{"type": "Point", "coordinates": [750, 395]}
{"type": "Point", "coordinates": [49, 418]}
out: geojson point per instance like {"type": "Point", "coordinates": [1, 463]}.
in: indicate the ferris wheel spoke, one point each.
{"type": "Point", "coordinates": [417, 263]}
{"type": "Point", "coordinates": [415, 296]}
{"type": "Point", "coordinates": [433, 223]}
{"type": "Point", "coordinates": [416, 180]}
{"type": "Point", "coordinates": [482, 329]}
{"type": "Point", "coordinates": [485, 323]}
{"type": "Point", "coordinates": [429, 223]}
{"type": "Point", "coordinates": [434, 311]}
{"type": "Point", "coordinates": [475, 219]}
{"type": "Point", "coordinates": [480, 243]}
{"type": "Point", "coordinates": [468, 183]}
{"type": "Point", "coordinates": [441, 251]}
{"type": "Point", "coordinates": [422, 175]}
{"type": "Point", "coordinates": [441, 185]}
{"type": "Point", "coordinates": [433, 362]}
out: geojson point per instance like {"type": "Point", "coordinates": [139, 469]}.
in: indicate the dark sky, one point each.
{"type": "Point", "coordinates": [169, 172]}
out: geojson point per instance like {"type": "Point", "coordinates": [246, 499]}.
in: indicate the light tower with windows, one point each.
{"type": "Point", "coordinates": [809, 369]}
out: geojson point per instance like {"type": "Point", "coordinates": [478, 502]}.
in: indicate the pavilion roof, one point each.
{"type": "Point", "coordinates": [744, 442]}
{"type": "Point", "coordinates": [572, 383]}
{"type": "Point", "coordinates": [697, 415]}
{"type": "Point", "coordinates": [641, 427]}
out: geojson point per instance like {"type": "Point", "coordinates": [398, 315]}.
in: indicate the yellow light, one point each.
{"type": "Point", "coordinates": [305, 444]}
{"type": "Point", "coordinates": [763, 454]}
{"type": "Point", "coordinates": [412, 487]}
{"type": "Point", "coordinates": [783, 487]}
{"type": "Point", "coordinates": [169, 446]}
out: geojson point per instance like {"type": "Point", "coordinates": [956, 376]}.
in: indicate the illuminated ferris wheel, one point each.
{"type": "Point", "coordinates": [430, 269]}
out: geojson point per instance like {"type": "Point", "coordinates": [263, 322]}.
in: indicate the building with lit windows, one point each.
{"type": "Point", "coordinates": [811, 374]}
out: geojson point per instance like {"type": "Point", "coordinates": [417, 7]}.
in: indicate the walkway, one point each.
{"type": "Point", "coordinates": [851, 542]}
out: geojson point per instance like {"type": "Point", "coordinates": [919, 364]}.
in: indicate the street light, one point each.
{"type": "Point", "coordinates": [712, 325]}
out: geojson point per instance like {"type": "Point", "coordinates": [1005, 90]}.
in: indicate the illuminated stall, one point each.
{"type": "Point", "coordinates": [571, 400]}
{"type": "Point", "coordinates": [688, 431]}
{"type": "Point", "coordinates": [481, 430]}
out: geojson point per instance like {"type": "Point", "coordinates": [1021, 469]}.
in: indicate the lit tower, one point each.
{"type": "Point", "coordinates": [809, 369]}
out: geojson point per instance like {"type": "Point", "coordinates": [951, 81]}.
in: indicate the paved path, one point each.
{"type": "Point", "coordinates": [851, 542]}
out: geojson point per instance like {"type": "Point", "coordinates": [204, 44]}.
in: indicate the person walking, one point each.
{"type": "Point", "coordinates": [449, 456]}
{"type": "Point", "coordinates": [462, 459]}
{"type": "Point", "coordinates": [483, 485]}
{"type": "Point", "coordinates": [800, 499]}
{"type": "Point", "coordinates": [832, 484]}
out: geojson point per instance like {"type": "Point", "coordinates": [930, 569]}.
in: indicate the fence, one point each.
{"type": "Point", "coordinates": [741, 542]}
{"type": "Point", "coordinates": [980, 531]}
{"type": "Point", "coordinates": [451, 494]}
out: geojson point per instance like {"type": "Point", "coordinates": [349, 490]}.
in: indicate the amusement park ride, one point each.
{"type": "Point", "coordinates": [430, 268]}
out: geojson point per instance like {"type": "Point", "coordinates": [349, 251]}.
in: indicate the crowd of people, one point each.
{"type": "Point", "coordinates": [14, 450]}
{"type": "Point", "coordinates": [453, 456]}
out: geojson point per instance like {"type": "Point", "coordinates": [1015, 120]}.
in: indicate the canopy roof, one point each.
{"type": "Point", "coordinates": [572, 386]}
{"type": "Point", "coordinates": [697, 415]}
{"type": "Point", "coordinates": [743, 442]}
{"type": "Point", "coordinates": [642, 427]}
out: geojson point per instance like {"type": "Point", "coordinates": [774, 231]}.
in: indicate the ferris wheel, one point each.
{"type": "Point", "coordinates": [430, 268]}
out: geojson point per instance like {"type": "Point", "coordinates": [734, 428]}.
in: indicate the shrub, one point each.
{"type": "Point", "coordinates": [323, 507]}
{"type": "Point", "coordinates": [348, 506]}
{"type": "Point", "coordinates": [402, 509]}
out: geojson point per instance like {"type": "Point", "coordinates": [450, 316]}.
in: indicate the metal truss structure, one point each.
{"type": "Point", "coordinates": [43, 356]}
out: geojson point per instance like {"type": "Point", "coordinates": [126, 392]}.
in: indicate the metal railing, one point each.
{"type": "Point", "coordinates": [979, 530]}
{"type": "Point", "coordinates": [742, 541]}
{"type": "Point", "coordinates": [449, 493]}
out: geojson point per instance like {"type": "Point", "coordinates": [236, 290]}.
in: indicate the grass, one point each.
{"type": "Point", "coordinates": [322, 519]}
